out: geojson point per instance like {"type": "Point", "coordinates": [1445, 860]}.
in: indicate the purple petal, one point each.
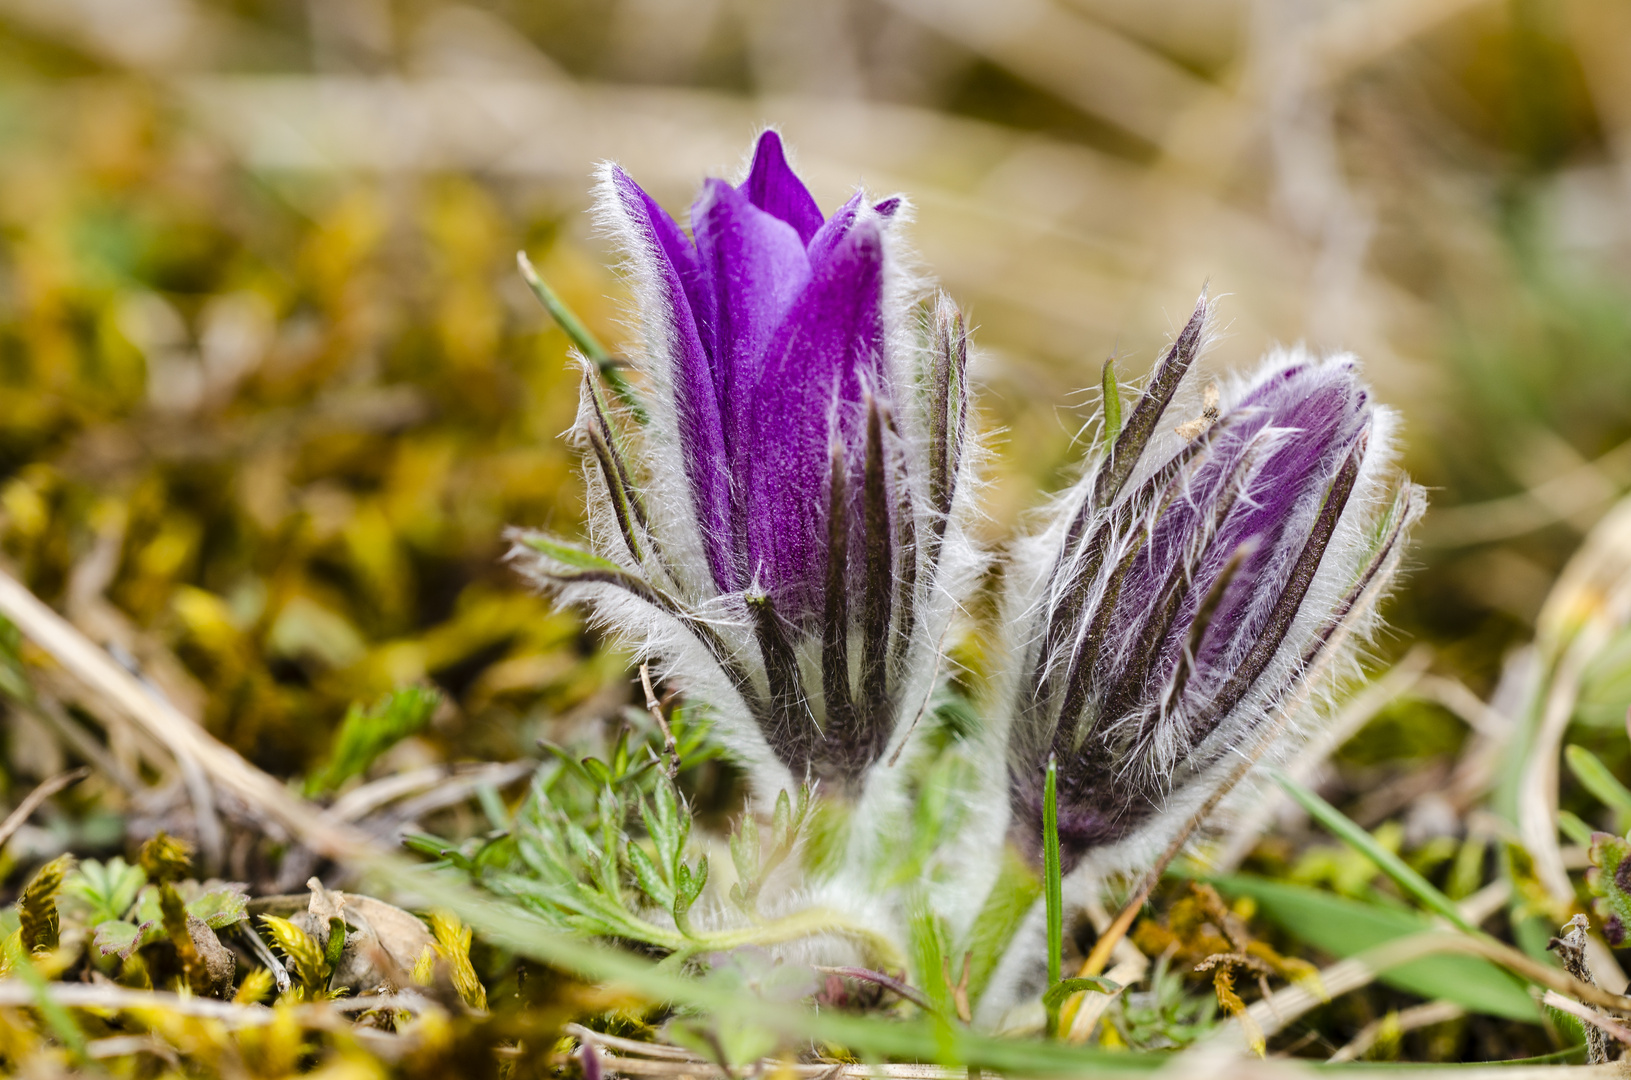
{"type": "Point", "coordinates": [774, 188]}
{"type": "Point", "coordinates": [682, 257]}
{"type": "Point", "coordinates": [817, 363]}
{"type": "Point", "coordinates": [1300, 424]}
{"type": "Point", "coordinates": [757, 267]}
{"type": "Point", "coordinates": [1322, 411]}
{"type": "Point", "coordinates": [673, 263]}
{"type": "Point", "coordinates": [832, 233]}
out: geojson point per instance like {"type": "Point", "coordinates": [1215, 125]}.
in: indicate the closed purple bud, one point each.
{"type": "Point", "coordinates": [1190, 587]}
{"type": "Point", "coordinates": [761, 534]}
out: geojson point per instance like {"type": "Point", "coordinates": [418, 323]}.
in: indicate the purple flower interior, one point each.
{"type": "Point", "coordinates": [777, 330]}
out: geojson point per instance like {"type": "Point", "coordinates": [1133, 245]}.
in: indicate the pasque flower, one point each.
{"type": "Point", "coordinates": [777, 520]}
{"type": "Point", "coordinates": [783, 533]}
{"type": "Point", "coordinates": [1188, 590]}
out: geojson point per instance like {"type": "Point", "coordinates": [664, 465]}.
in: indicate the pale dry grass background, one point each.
{"type": "Point", "coordinates": [1335, 167]}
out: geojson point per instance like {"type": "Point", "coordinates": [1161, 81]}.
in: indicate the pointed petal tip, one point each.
{"type": "Point", "coordinates": [620, 181]}
{"type": "Point", "coordinates": [769, 144]}
{"type": "Point", "coordinates": [866, 237]}
{"type": "Point", "coordinates": [774, 187]}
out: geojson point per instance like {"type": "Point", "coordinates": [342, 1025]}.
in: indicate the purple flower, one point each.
{"type": "Point", "coordinates": [781, 524]}
{"type": "Point", "coordinates": [1191, 584]}
{"type": "Point", "coordinates": [778, 341]}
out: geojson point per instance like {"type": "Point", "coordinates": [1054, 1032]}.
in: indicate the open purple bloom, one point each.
{"type": "Point", "coordinates": [781, 523]}
{"type": "Point", "coordinates": [1191, 584]}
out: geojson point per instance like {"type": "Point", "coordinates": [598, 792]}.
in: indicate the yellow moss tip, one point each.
{"type": "Point", "coordinates": [37, 905]}
{"type": "Point", "coordinates": [453, 942]}
{"type": "Point", "coordinates": [305, 958]}
{"type": "Point", "coordinates": [166, 858]}
{"type": "Point", "coordinates": [424, 968]}
{"type": "Point", "coordinates": [255, 988]}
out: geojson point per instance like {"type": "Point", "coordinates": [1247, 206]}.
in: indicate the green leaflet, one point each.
{"type": "Point", "coordinates": [1057, 994]}
{"type": "Point", "coordinates": [218, 905]}
{"type": "Point", "coordinates": [1112, 402]}
{"type": "Point", "coordinates": [1596, 778]}
{"type": "Point", "coordinates": [107, 889]}
{"type": "Point", "coordinates": [569, 554]}
{"type": "Point", "coordinates": [366, 733]}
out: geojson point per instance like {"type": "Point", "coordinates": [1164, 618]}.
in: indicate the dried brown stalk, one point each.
{"type": "Point", "coordinates": [95, 669]}
{"type": "Point", "coordinates": [671, 753]}
{"type": "Point", "coordinates": [1285, 1006]}
{"type": "Point", "coordinates": [1420, 1016]}
{"type": "Point", "coordinates": [31, 802]}
{"type": "Point", "coordinates": [1598, 1026]}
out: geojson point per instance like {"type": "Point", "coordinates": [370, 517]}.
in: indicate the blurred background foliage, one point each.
{"type": "Point", "coordinates": [270, 387]}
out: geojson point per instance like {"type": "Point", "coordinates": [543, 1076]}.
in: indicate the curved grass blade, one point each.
{"type": "Point", "coordinates": [582, 337]}
{"type": "Point", "coordinates": [1344, 829]}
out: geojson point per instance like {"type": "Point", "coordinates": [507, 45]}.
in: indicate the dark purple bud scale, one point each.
{"type": "Point", "coordinates": [1165, 632]}
{"type": "Point", "coordinates": [1135, 436]}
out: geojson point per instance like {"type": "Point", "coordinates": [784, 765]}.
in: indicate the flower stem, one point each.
{"type": "Point", "coordinates": [808, 923]}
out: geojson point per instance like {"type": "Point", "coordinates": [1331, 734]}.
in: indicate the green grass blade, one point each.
{"type": "Point", "coordinates": [1594, 776]}
{"type": "Point", "coordinates": [1576, 830]}
{"type": "Point", "coordinates": [508, 926]}
{"type": "Point", "coordinates": [56, 1017]}
{"type": "Point", "coordinates": [1363, 842]}
{"type": "Point", "coordinates": [1344, 927]}
{"type": "Point", "coordinates": [928, 955]}
{"type": "Point", "coordinates": [1053, 888]}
